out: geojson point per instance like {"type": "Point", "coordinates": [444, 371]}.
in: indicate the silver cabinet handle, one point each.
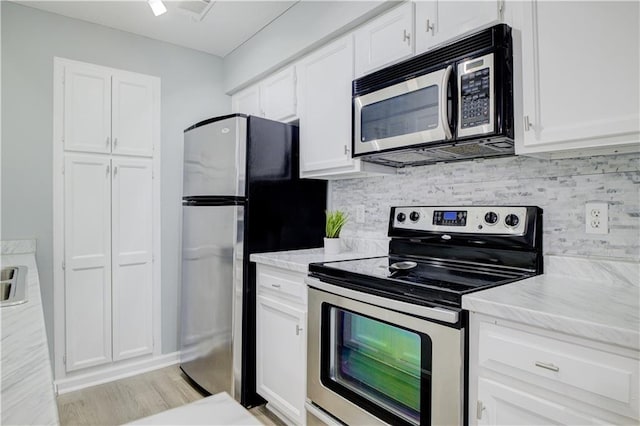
{"type": "Point", "coordinates": [346, 150]}
{"type": "Point", "coordinates": [115, 142]}
{"type": "Point", "coordinates": [107, 170]}
{"type": "Point", "coordinates": [275, 285]}
{"type": "Point", "coordinates": [115, 171]}
{"type": "Point", "coordinates": [107, 141]}
{"type": "Point", "coordinates": [547, 366]}
{"type": "Point", "coordinates": [430, 27]}
{"type": "Point", "coordinates": [406, 37]}
{"type": "Point", "coordinates": [527, 124]}
{"type": "Point", "coordinates": [298, 329]}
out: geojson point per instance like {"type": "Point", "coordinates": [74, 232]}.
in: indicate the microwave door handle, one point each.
{"type": "Point", "coordinates": [444, 108]}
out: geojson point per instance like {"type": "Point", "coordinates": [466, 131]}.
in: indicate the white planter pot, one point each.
{"type": "Point", "coordinates": [331, 245]}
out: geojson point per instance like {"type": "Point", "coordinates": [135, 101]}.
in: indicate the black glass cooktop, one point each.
{"type": "Point", "coordinates": [433, 282]}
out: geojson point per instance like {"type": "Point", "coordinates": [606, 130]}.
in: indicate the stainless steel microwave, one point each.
{"type": "Point", "coordinates": [452, 103]}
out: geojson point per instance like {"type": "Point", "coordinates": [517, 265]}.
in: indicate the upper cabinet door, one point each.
{"type": "Point", "coordinates": [438, 21]}
{"type": "Point", "coordinates": [247, 101]}
{"type": "Point", "coordinates": [324, 87]}
{"type": "Point", "coordinates": [580, 76]}
{"type": "Point", "coordinates": [385, 40]}
{"type": "Point", "coordinates": [87, 108]}
{"type": "Point", "coordinates": [133, 114]}
{"type": "Point", "coordinates": [278, 95]}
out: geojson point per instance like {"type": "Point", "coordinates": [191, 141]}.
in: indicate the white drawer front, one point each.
{"type": "Point", "coordinates": [605, 375]}
{"type": "Point", "coordinates": [282, 282]}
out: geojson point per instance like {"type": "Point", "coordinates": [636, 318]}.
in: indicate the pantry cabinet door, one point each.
{"type": "Point", "coordinates": [135, 102]}
{"type": "Point", "coordinates": [132, 258]}
{"type": "Point", "coordinates": [580, 75]}
{"type": "Point", "coordinates": [87, 108]}
{"type": "Point", "coordinates": [439, 21]}
{"type": "Point", "coordinates": [87, 254]}
{"type": "Point", "coordinates": [281, 355]}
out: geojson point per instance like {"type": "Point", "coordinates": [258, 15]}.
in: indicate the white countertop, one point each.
{"type": "Point", "coordinates": [596, 299]}
{"type": "Point", "coordinates": [299, 260]}
{"type": "Point", "coordinates": [27, 381]}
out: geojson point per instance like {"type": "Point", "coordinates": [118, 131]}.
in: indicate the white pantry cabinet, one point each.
{"type": "Point", "coordinates": [273, 98]}
{"type": "Point", "coordinates": [526, 375]}
{"type": "Point", "coordinates": [438, 21]}
{"type": "Point", "coordinates": [281, 342]}
{"type": "Point", "coordinates": [385, 40]}
{"type": "Point", "coordinates": [109, 111]}
{"type": "Point", "coordinates": [105, 216]}
{"type": "Point", "coordinates": [324, 108]}
{"type": "Point", "coordinates": [580, 85]}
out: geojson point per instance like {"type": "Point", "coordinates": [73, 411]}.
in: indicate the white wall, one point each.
{"type": "Point", "coordinates": [191, 90]}
{"type": "Point", "coordinates": [302, 28]}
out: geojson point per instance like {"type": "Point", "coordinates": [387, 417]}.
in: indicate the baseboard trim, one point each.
{"type": "Point", "coordinates": [116, 372]}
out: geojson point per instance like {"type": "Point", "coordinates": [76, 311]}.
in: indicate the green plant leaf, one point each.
{"type": "Point", "coordinates": [335, 221]}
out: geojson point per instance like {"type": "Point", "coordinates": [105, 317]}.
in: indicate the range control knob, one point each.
{"type": "Point", "coordinates": [414, 216]}
{"type": "Point", "coordinates": [511, 220]}
{"type": "Point", "coordinates": [491, 218]}
{"type": "Point", "coordinates": [401, 217]}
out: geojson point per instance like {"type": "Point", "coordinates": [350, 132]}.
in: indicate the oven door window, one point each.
{"type": "Point", "coordinates": [381, 367]}
{"type": "Point", "coordinates": [412, 112]}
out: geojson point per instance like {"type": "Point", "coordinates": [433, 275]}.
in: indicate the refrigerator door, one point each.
{"type": "Point", "coordinates": [212, 243]}
{"type": "Point", "coordinates": [215, 157]}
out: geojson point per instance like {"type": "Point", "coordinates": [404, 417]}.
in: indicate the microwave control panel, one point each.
{"type": "Point", "coordinates": [476, 96]}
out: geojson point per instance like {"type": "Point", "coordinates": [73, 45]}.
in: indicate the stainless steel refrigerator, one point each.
{"type": "Point", "coordinates": [241, 195]}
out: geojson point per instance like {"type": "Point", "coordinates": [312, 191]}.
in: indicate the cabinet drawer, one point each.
{"type": "Point", "coordinates": [608, 380]}
{"type": "Point", "coordinates": [282, 282]}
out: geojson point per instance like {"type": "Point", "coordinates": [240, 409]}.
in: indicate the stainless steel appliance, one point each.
{"type": "Point", "coordinates": [448, 104]}
{"type": "Point", "coordinates": [387, 336]}
{"type": "Point", "coordinates": [241, 195]}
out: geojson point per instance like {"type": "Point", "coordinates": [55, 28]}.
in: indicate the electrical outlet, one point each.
{"type": "Point", "coordinates": [359, 213]}
{"type": "Point", "coordinates": [596, 218]}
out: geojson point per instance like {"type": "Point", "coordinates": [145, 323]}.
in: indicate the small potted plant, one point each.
{"type": "Point", "coordinates": [335, 221]}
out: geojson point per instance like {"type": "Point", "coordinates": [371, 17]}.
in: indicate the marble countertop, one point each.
{"type": "Point", "coordinates": [27, 380]}
{"type": "Point", "coordinates": [596, 299]}
{"type": "Point", "coordinates": [299, 260]}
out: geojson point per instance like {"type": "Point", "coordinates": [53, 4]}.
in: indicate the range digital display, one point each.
{"type": "Point", "coordinates": [450, 217]}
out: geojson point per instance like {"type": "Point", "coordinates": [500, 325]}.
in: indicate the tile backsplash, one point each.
{"type": "Point", "coordinates": [560, 187]}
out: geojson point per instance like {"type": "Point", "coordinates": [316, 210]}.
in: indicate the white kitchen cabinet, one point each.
{"type": "Point", "coordinates": [87, 258]}
{"type": "Point", "coordinates": [132, 256]}
{"type": "Point", "coordinates": [580, 85]}
{"type": "Point", "coordinates": [106, 221]}
{"type": "Point", "coordinates": [438, 21]}
{"type": "Point", "coordinates": [273, 98]}
{"type": "Point", "coordinates": [525, 375]}
{"type": "Point", "coordinates": [109, 110]}
{"type": "Point", "coordinates": [281, 342]}
{"type": "Point", "coordinates": [385, 40]}
{"type": "Point", "coordinates": [247, 101]}
{"type": "Point", "coordinates": [324, 108]}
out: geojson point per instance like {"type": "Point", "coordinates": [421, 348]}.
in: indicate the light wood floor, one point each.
{"type": "Point", "coordinates": [135, 397]}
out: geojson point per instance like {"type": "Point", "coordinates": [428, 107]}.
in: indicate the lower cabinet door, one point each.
{"type": "Point", "coordinates": [499, 404]}
{"type": "Point", "coordinates": [281, 357]}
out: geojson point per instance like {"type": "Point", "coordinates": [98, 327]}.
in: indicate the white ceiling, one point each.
{"type": "Point", "coordinates": [226, 25]}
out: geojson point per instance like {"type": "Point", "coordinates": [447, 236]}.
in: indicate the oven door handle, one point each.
{"type": "Point", "coordinates": [439, 314]}
{"type": "Point", "coordinates": [444, 106]}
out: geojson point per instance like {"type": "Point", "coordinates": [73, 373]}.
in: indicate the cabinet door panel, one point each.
{"type": "Point", "coordinates": [324, 82]}
{"type": "Point", "coordinates": [580, 73]}
{"type": "Point", "coordinates": [247, 102]}
{"type": "Point", "coordinates": [133, 111]}
{"type": "Point", "coordinates": [385, 40]}
{"type": "Point", "coordinates": [281, 355]}
{"type": "Point", "coordinates": [87, 223]}
{"type": "Point", "coordinates": [87, 108]}
{"type": "Point", "coordinates": [278, 95]}
{"type": "Point", "coordinates": [440, 21]}
{"type": "Point", "coordinates": [132, 258]}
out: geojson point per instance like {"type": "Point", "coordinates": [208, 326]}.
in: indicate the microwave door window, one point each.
{"type": "Point", "coordinates": [411, 112]}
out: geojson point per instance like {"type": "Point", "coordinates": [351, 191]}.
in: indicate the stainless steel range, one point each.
{"type": "Point", "coordinates": [387, 340]}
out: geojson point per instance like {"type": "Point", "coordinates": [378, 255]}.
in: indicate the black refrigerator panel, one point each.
{"type": "Point", "coordinates": [270, 150]}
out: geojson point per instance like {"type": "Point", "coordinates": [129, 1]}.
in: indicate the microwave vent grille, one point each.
{"type": "Point", "coordinates": [427, 61]}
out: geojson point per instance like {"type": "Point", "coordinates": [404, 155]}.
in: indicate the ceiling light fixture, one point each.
{"type": "Point", "coordinates": [157, 7]}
